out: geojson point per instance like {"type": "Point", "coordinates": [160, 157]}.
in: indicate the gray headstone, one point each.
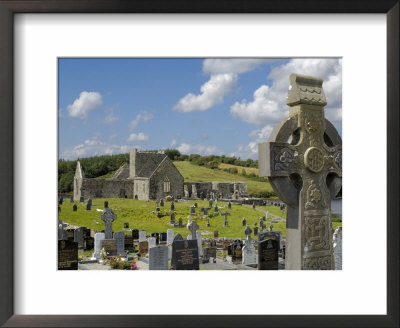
{"type": "Point", "coordinates": [152, 242]}
{"type": "Point", "coordinates": [170, 236]}
{"type": "Point", "coordinates": [78, 237]}
{"type": "Point", "coordinates": [248, 250]}
{"type": "Point", "coordinates": [142, 235]}
{"type": "Point", "coordinates": [193, 227]}
{"type": "Point", "coordinates": [158, 258]}
{"type": "Point", "coordinates": [119, 237]}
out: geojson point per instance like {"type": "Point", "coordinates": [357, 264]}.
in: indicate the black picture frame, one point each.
{"type": "Point", "coordinates": [10, 7]}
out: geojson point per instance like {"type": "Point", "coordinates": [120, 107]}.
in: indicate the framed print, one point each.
{"type": "Point", "coordinates": [49, 44]}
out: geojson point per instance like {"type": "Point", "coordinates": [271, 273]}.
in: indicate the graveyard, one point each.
{"type": "Point", "coordinates": [143, 217]}
{"type": "Point", "coordinates": [302, 160]}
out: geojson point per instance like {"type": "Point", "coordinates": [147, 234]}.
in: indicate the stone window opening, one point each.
{"type": "Point", "coordinates": [167, 185]}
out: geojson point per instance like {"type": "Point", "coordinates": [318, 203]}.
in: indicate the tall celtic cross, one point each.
{"type": "Point", "coordinates": [108, 217]}
{"type": "Point", "coordinates": [303, 160]}
{"type": "Point", "coordinates": [193, 226]}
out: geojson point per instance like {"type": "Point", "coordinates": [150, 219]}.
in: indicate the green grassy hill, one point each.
{"type": "Point", "coordinates": [194, 173]}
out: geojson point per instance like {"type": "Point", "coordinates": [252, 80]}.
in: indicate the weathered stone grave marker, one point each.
{"type": "Point", "coordinates": [172, 218]}
{"type": "Point", "coordinates": [244, 222]}
{"type": "Point", "coordinates": [74, 208]}
{"type": "Point", "coordinates": [108, 217]}
{"type": "Point", "coordinates": [215, 233]}
{"type": "Point", "coordinates": [193, 226]}
{"type": "Point", "coordinates": [248, 250]}
{"type": "Point", "coordinates": [81, 199]}
{"type": "Point", "coordinates": [143, 247]}
{"type": "Point", "coordinates": [119, 237]}
{"type": "Point", "coordinates": [226, 224]}
{"type": "Point", "coordinates": [305, 173]}
{"type": "Point", "coordinates": [158, 258]}
{"type": "Point", "coordinates": [126, 226]}
{"type": "Point", "coordinates": [78, 237]}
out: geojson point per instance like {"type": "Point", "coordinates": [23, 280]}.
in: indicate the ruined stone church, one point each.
{"type": "Point", "coordinates": [149, 175]}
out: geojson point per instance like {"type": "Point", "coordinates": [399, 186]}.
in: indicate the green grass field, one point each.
{"type": "Point", "coordinates": [139, 215]}
{"type": "Point", "coordinates": [194, 173]}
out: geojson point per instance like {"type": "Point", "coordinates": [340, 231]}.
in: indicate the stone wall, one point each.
{"type": "Point", "coordinates": [166, 171]}
{"type": "Point", "coordinates": [227, 189]}
{"type": "Point", "coordinates": [141, 189]}
{"type": "Point", "coordinates": [107, 188]}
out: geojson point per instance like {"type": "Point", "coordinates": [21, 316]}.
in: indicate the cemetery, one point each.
{"type": "Point", "coordinates": [303, 161]}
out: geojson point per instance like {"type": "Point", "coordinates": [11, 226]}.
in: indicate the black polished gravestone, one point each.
{"type": "Point", "coordinates": [126, 225]}
{"type": "Point", "coordinates": [135, 234]}
{"type": "Point", "coordinates": [268, 248]}
{"type": "Point", "coordinates": [110, 246]}
{"type": "Point", "coordinates": [185, 254]}
{"type": "Point", "coordinates": [209, 252]}
{"type": "Point", "coordinates": [163, 237]}
{"type": "Point", "coordinates": [67, 255]}
{"type": "Point", "coordinates": [88, 243]}
{"type": "Point", "coordinates": [70, 234]}
{"type": "Point", "coordinates": [129, 243]}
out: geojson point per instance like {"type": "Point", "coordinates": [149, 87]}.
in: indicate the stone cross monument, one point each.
{"type": "Point", "coordinates": [303, 160]}
{"type": "Point", "coordinates": [108, 217]}
{"type": "Point", "coordinates": [193, 226]}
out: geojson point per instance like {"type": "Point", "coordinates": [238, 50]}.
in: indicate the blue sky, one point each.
{"type": "Point", "coordinates": [204, 106]}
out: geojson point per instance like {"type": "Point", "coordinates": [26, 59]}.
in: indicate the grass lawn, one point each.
{"type": "Point", "coordinates": [196, 173]}
{"type": "Point", "coordinates": [139, 215]}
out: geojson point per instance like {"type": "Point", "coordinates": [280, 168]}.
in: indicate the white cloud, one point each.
{"type": "Point", "coordinates": [231, 66]}
{"type": "Point", "coordinates": [93, 147]}
{"type": "Point", "coordinates": [137, 137]}
{"type": "Point", "coordinates": [113, 136]}
{"type": "Point", "coordinates": [223, 76]}
{"type": "Point", "coordinates": [248, 151]}
{"type": "Point", "coordinates": [86, 102]}
{"type": "Point", "coordinates": [60, 113]}
{"type": "Point", "coordinates": [261, 135]}
{"type": "Point", "coordinates": [186, 148]}
{"type": "Point", "coordinates": [173, 143]}
{"type": "Point", "coordinates": [268, 106]}
{"type": "Point", "coordinates": [212, 93]}
{"type": "Point", "coordinates": [110, 118]}
{"type": "Point", "coordinates": [143, 116]}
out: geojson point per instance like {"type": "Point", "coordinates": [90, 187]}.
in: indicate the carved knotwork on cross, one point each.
{"type": "Point", "coordinates": [108, 217]}
{"type": "Point", "coordinates": [303, 160]}
{"type": "Point", "coordinates": [193, 226]}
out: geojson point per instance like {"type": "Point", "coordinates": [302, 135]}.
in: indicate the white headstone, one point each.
{"type": "Point", "coordinates": [98, 237]}
{"type": "Point", "coordinates": [142, 235]}
{"type": "Point", "coordinates": [199, 242]}
{"type": "Point", "coordinates": [267, 215]}
{"type": "Point", "coordinates": [152, 242]}
{"type": "Point", "coordinates": [158, 258]}
{"type": "Point", "coordinates": [189, 237]}
{"type": "Point", "coordinates": [249, 254]}
{"type": "Point", "coordinates": [170, 236]}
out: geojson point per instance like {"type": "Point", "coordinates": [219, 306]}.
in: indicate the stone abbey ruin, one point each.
{"type": "Point", "coordinates": [151, 175]}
